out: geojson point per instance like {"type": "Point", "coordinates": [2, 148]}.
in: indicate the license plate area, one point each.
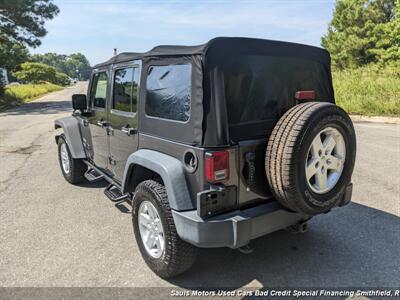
{"type": "Point", "coordinates": [216, 200]}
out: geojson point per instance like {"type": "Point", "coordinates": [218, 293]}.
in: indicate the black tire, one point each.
{"type": "Point", "coordinates": [178, 255]}
{"type": "Point", "coordinates": [287, 152]}
{"type": "Point", "coordinates": [77, 167]}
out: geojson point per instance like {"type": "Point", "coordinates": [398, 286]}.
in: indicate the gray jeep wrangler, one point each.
{"type": "Point", "coordinates": [213, 145]}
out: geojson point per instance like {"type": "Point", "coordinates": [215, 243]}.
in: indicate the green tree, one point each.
{"type": "Point", "coordinates": [79, 65]}
{"type": "Point", "coordinates": [363, 32]}
{"type": "Point", "coordinates": [36, 72]}
{"type": "Point", "coordinates": [388, 48]}
{"type": "Point", "coordinates": [75, 65]}
{"type": "Point", "coordinates": [52, 59]}
{"type": "Point", "coordinates": [61, 79]}
{"type": "Point", "coordinates": [12, 55]}
{"type": "Point", "coordinates": [21, 24]}
{"type": "Point", "coordinates": [23, 20]}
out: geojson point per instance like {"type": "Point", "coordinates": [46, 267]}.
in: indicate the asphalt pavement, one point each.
{"type": "Point", "coordinates": [53, 233]}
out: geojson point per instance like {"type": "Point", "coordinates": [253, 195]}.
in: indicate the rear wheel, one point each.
{"type": "Point", "coordinates": [72, 169]}
{"type": "Point", "coordinates": [161, 247]}
{"type": "Point", "coordinates": [310, 157]}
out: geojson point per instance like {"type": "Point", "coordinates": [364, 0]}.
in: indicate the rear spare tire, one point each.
{"type": "Point", "coordinates": [310, 157]}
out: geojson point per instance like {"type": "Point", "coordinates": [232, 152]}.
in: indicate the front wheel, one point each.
{"type": "Point", "coordinates": [72, 169]}
{"type": "Point", "coordinates": [161, 247]}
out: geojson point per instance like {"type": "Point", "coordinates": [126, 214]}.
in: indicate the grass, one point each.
{"type": "Point", "coordinates": [368, 91]}
{"type": "Point", "coordinates": [18, 94]}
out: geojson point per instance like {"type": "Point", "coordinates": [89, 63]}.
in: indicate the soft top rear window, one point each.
{"type": "Point", "coordinates": [261, 87]}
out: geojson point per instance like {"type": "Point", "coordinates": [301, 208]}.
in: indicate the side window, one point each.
{"type": "Point", "coordinates": [126, 89]}
{"type": "Point", "coordinates": [98, 93]}
{"type": "Point", "coordinates": [168, 92]}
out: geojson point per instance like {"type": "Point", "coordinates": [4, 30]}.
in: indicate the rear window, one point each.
{"type": "Point", "coordinates": [169, 92]}
{"type": "Point", "coordinates": [259, 87]}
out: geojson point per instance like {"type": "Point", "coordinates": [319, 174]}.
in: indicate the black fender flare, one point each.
{"type": "Point", "coordinates": [73, 136]}
{"type": "Point", "coordinates": [170, 170]}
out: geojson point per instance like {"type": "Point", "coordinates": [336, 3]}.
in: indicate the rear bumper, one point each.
{"type": "Point", "coordinates": [234, 229]}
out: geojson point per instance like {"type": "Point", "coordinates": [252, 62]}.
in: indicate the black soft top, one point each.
{"type": "Point", "coordinates": [157, 51]}
{"type": "Point", "coordinates": [220, 45]}
{"type": "Point", "coordinates": [208, 124]}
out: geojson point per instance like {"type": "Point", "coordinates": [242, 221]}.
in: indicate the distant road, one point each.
{"type": "Point", "coordinates": [56, 234]}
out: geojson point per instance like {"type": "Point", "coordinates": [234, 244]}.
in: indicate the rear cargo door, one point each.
{"type": "Point", "coordinates": [259, 89]}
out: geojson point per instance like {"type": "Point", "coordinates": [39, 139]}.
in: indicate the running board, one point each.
{"type": "Point", "coordinates": [92, 176]}
{"type": "Point", "coordinates": [115, 195]}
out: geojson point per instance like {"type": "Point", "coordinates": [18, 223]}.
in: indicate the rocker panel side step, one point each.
{"type": "Point", "coordinates": [92, 176]}
{"type": "Point", "coordinates": [114, 193]}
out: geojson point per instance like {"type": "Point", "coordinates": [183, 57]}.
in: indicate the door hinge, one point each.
{"type": "Point", "coordinates": [112, 161]}
{"type": "Point", "coordinates": [86, 145]}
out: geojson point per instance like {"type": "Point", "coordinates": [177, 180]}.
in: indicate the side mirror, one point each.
{"type": "Point", "coordinates": [79, 102]}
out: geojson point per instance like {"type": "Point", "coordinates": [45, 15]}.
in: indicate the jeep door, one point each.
{"type": "Point", "coordinates": [98, 118]}
{"type": "Point", "coordinates": [123, 121]}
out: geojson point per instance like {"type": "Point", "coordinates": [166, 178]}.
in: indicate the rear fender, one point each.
{"type": "Point", "coordinates": [170, 170]}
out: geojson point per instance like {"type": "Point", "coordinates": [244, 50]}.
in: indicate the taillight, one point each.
{"type": "Point", "coordinates": [217, 166]}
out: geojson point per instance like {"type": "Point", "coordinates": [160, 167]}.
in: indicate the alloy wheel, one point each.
{"type": "Point", "coordinates": [151, 229]}
{"type": "Point", "coordinates": [325, 160]}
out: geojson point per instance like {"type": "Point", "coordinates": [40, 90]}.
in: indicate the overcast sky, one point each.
{"type": "Point", "coordinates": [96, 27]}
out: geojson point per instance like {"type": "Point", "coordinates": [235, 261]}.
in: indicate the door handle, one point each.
{"type": "Point", "coordinates": [129, 130]}
{"type": "Point", "coordinates": [102, 124]}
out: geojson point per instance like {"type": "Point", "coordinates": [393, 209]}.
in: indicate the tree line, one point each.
{"type": "Point", "coordinates": [21, 26]}
{"type": "Point", "coordinates": [74, 65]}
{"type": "Point", "coordinates": [364, 32]}
{"type": "Point", "coordinates": [16, 58]}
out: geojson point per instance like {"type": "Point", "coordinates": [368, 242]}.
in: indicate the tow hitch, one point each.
{"type": "Point", "coordinates": [300, 227]}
